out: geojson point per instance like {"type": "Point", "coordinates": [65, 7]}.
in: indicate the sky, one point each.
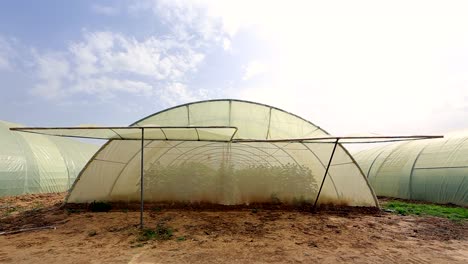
{"type": "Point", "coordinates": [351, 67]}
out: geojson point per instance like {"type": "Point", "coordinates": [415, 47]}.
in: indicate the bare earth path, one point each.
{"type": "Point", "coordinates": [240, 236]}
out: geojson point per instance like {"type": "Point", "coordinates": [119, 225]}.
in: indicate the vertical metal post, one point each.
{"type": "Point", "coordinates": [142, 176]}
{"type": "Point", "coordinates": [325, 176]}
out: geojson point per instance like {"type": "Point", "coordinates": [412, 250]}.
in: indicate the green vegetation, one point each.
{"type": "Point", "coordinates": [92, 233]}
{"type": "Point", "coordinates": [162, 232]}
{"type": "Point", "coordinates": [195, 181]}
{"type": "Point", "coordinates": [182, 238]}
{"type": "Point", "coordinates": [403, 208]}
{"type": "Point", "coordinates": [10, 210]}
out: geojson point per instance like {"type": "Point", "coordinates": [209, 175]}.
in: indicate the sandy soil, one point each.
{"type": "Point", "coordinates": [236, 236]}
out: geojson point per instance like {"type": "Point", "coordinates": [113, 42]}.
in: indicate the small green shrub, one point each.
{"type": "Point", "coordinates": [99, 207]}
{"type": "Point", "coordinates": [162, 232]}
{"type": "Point", "coordinates": [10, 210]}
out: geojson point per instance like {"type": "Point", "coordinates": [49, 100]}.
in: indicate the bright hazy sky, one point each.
{"type": "Point", "coordinates": [385, 67]}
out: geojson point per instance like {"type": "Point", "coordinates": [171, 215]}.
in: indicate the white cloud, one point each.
{"type": "Point", "coordinates": [176, 93]}
{"type": "Point", "coordinates": [6, 54]}
{"type": "Point", "coordinates": [192, 19]}
{"type": "Point", "coordinates": [104, 63]}
{"type": "Point", "coordinates": [227, 45]}
{"type": "Point", "coordinates": [105, 86]}
{"type": "Point", "coordinates": [366, 66]}
{"type": "Point", "coordinates": [105, 10]}
{"type": "Point", "coordinates": [153, 57]}
{"type": "Point", "coordinates": [253, 69]}
{"type": "Point", "coordinates": [53, 72]}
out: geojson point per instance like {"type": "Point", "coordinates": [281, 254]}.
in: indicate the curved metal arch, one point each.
{"type": "Point", "coordinates": [236, 148]}
{"type": "Point", "coordinates": [205, 152]}
{"type": "Point", "coordinates": [262, 159]}
{"type": "Point", "coordinates": [175, 147]}
{"type": "Point", "coordinates": [362, 174]}
{"type": "Point", "coordinates": [210, 150]}
{"type": "Point", "coordinates": [128, 162]}
{"type": "Point", "coordinates": [410, 184]}
{"type": "Point", "coordinates": [237, 160]}
{"type": "Point", "coordinates": [324, 167]}
{"type": "Point", "coordinates": [277, 149]}
{"type": "Point", "coordinates": [287, 153]}
{"type": "Point", "coordinates": [241, 149]}
{"type": "Point", "coordinates": [229, 100]}
{"type": "Point", "coordinates": [84, 168]}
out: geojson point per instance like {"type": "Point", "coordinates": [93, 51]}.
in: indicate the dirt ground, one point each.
{"type": "Point", "coordinates": [213, 236]}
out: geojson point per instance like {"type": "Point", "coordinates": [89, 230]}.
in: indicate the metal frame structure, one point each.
{"type": "Point", "coordinates": [142, 174]}
{"type": "Point", "coordinates": [325, 175]}
{"type": "Point", "coordinates": [323, 140]}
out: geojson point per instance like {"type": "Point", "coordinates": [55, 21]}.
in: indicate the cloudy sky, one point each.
{"type": "Point", "coordinates": [385, 67]}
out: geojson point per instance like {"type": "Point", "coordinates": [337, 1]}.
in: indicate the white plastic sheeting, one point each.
{"type": "Point", "coordinates": [39, 164]}
{"type": "Point", "coordinates": [433, 170]}
{"type": "Point", "coordinates": [225, 172]}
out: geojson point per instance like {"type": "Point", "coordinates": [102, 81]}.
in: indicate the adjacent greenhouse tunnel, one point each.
{"type": "Point", "coordinates": [428, 170]}
{"type": "Point", "coordinates": [32, 163]}
{"type": "Point", "coordinates": [216, 171]}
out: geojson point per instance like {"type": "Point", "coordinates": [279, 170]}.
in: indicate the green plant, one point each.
{"type": "Point", "coordinates": [162, 232]}
{"type": "Point", "coordinates": [404, 208]}
{"type": "Point", "coordinates": [92, 233]}
{"type": "Point", "coordinates": [99, 206]}
{"type": "Point", "coordinates": [10, 210]}
{"type": "Point", "coordinates": [182, 238]}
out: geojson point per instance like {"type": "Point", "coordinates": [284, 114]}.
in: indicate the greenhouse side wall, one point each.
{"type": "Point", "coordinates": [433, 170]}
{"type": "Point", "coordinates": [31, 163]}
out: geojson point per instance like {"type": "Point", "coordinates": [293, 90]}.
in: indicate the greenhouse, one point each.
{"type": "Point", "coordinates": [212, 151]}
{"type": "Point", "coordinates": [32, 163]}
{"type": "Point", "coordinates": [427, 170]}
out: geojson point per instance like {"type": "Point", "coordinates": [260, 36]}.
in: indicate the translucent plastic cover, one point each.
{"type": "Point", "coordinates": [231, 172]}
{"type": "Point", "coordinates": [32, 163]}
{"type": "Point", "coordinates": [434, 170]}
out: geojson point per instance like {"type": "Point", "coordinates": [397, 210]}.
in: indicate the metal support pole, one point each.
{"type": "Point", "coordinates": [142, 176]}
{"type": "Point", "coordinates": [325, 176]}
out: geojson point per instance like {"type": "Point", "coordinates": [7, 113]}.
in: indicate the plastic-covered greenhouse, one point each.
{"type": "Point", "coordinates": [212, 151]}
{"type": "Point", "coordinates": [39, 164]}
{"type": "Point", "coordinates": [428, 170]}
